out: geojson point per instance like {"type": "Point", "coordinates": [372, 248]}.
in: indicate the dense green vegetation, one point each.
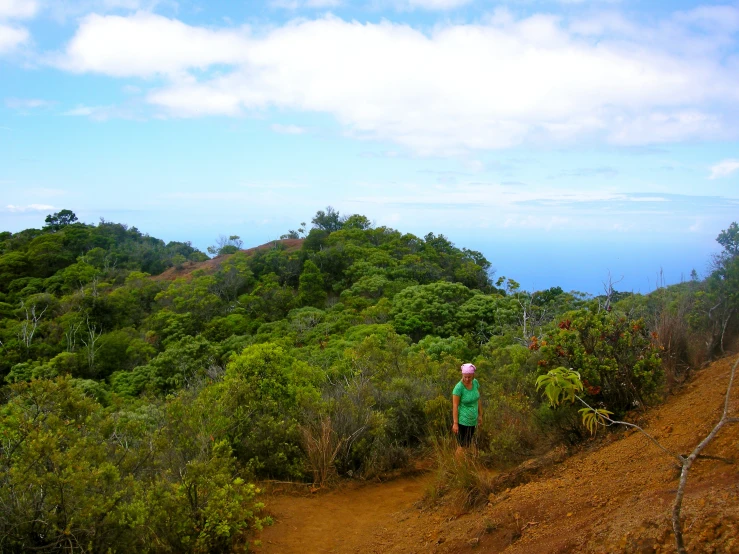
{"type": "Point", "coordinates": [137, 410]}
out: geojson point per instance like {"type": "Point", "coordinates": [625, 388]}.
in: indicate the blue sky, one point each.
{"type": "Point", "coordinates": [567, 140]}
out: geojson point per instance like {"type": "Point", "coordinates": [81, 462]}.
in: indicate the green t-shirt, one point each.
{"type": "Point", "coordinates": [467, 402]}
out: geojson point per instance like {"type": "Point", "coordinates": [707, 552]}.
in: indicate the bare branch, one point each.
{"type": "Point", "coordinates": [29, 326]}
{"type": "Point", "coordinates": [654, 441]}
{"type": "Point", "coordinates": [610, 291]}
{"type": "Point", "coordinates": [676, 525]}
{"type": "Point", "coordinates": [93, 335]}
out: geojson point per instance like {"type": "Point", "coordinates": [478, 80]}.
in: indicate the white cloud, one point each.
{"type": "Point", "coordinates": [437, 4]}
{"type": "Point", "coordinates": [647, 199]}
{"type": "Point", "coordinates": [29, 208]}
{"type": "Point", "coordinates": [454, 89]}
{"type": "Point", "coordinates": [287, 129]}
{"type": "Point", "coordinates": [83, 111]}
{"type": "Point", "coordinates": [590, 1]}
{"type": "Point", "coordinates": [27, 103]}
{"type": "Point", "coordinates": [128, 4]}
{"type": "Point", "coordinates": [145, 44]}
{"type": "Point", "coordinates": [101, 113]}
{"type": "Point", "coordinates": [570, 209]}
{"type": "Point", "coordinates": [301, 4]}
{"type": "Point", "coordinates": [712, 18]}
{"type": "Point", "coordinates": [67, 11]}
{"type": "Point", "coordinates": [196, 100]}
{"type": "Point", "coordinates": [604, 22]}
{"type": "Point", "coordinates": [11, 38]}
{"type": "Point", "coordinates": [697, 227]}
{"type": "Point", "coordinates": [724, 168]}
{"type": "Point", "coordinates": [660, 127]}
{"type": "Point", "coordinates": [18, 9]}
{"type": "Point", "coordinates": [323, 3]}
{"type": "Point", "coordinates": [490, 195]}
{"type": "Point", "coordinates": [703, 31]}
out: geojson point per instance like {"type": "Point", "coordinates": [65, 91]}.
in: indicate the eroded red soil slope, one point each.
{"type": "Point", "coordinates": [615, 495]}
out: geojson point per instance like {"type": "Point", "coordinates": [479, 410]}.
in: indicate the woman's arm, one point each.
{"type": "Point", "coordinates": [455, 413]}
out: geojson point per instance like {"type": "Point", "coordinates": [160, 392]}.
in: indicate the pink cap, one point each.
{"type": "Point", "coordinates": [468, 368]}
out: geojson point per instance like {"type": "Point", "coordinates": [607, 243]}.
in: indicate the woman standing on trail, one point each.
{"type": "Point", "coordinates": [466, 407]}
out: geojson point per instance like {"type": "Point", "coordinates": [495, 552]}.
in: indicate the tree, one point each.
{"type": "Point", "coordinates": [269, 300]}
{"type": "Point", "coordinates": [12, 266]}
{"type": "Point", "coordinates": [181, 364]}
{"type": "Point", "coordinates": [315, 240]}
{"type": "Point", "coordinates": [429, 309]}
{"type": "Point", "coordinates": [91, 340]}
{"type": "Point", "coordinates": [722, 288]}
{"type": "Point", "coordinates": [60, 219]}
{"type": "Point", "coordinates": [357, 221]}
{"type": "Point", "coordinates": [486, 315]}
{"type": "Point", "coordinates": [123, 349]}
{"type": "Point", "coordinates": [330, 220]}
{"type": "Point", "coordinates": [47, 255]}
{"type": "Point", "coordinates": [293, 234]}
{"type": "Point", "coordinates": [233, 278]}
{"type": "Point", "coordinates": [178, 260]}
{"type": "Point", "coordinates": [226, 245]}
{"type": "Point", "coordinates": [310, 290]}
{"type": "Point", "coordinates": [76, 276]}
{"type": "Point", "coordinates": [729, 239]}
{"type": "Point", "coordinates": [30, 321]}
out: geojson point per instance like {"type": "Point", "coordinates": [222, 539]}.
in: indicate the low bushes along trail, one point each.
{"type": "Point", "coordinates": [613, 495]}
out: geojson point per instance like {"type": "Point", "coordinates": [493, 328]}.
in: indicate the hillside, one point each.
{"type": "Point", "coordinates": [326, 360]}
{"type": "Point", "coordinates": [212, 265]}
{"type": "Point", "coordinates": [614, 495]}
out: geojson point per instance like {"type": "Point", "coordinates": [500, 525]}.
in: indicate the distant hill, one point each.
{"type": "Point", "coordinates": [211, 266]}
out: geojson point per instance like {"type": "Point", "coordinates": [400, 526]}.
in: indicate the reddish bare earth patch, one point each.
{"type": "Point", "coordinates": [343, 520]}
{"type": "Point", "coordinates": [614, 495]}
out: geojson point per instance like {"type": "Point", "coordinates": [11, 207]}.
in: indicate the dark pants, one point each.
{"type": "Point", "coordinates": [464, 437]}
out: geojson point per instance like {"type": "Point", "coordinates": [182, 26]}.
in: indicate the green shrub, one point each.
{"type": "Point", "coordinates": [615, 356]}
{"type": "Point", "coordinates": [58, 482]}
{"type": "Point", "coordinates": [203, 509]}
{"type": "Point", "coordinates": [263, 392]}
{"type": "Point", "coordinates": [149, 477]}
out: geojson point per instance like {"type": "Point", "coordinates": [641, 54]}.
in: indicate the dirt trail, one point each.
{"type": "Point", "coordinates": [350, 519]}
{"type": "Point", "coordinates": [613, 495]}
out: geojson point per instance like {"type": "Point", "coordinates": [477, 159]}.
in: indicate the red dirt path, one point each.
{"type": "Point", "coordinates": [344, 520]}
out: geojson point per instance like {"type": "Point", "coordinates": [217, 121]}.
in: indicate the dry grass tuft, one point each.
{"type": "Point", "coordinates": [461, 479]}
{"type": "Point", "coordinates": [321, 445]}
